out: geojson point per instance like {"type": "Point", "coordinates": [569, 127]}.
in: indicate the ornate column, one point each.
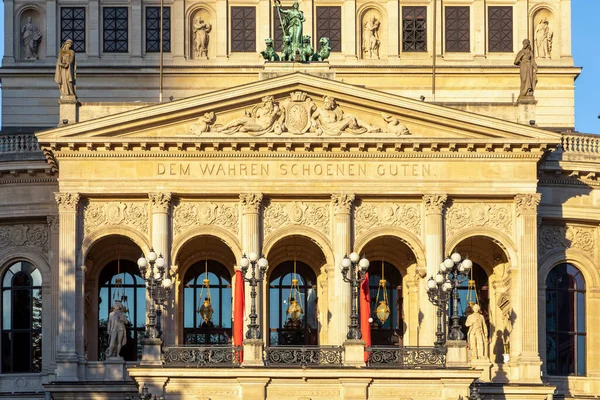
{"type": "Point", "coordinates": [79, 319]}
{"type": "Point", "coordinates": [52, 221]}
{"type": "Point", "coordinates": [434, 253]}
{"type": "Point", "coordinates": [348, 30]}
{"type": "Point", "coordinates": [339, 291]}
{"type": "Point", "coordinates": [67, 296]}
{"type": "Point", "coordinates": [525, 292]}
{"type": "Point", "coordinates": [250, 239]}
{"type": "Point", "coordinates": [161, 205]}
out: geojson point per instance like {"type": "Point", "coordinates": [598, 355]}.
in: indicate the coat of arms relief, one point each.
{"type": "Point", "coordinates": [297, 115]}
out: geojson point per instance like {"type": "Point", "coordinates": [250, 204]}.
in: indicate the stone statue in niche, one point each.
{"type": "Point", "coordinates": [201, 37]}
{"type": "Point", "coordinates": [64, 75]}
{"type": "Point", "coordinates": [263, 118]}
{"type": "Point", "coordinates": [543, 39]}
{"type": "Point", "coordinates": [526, 62]}
{"type": "Point", "coordinates": [330, 119]}
{"type": "Point", "coordinates": [116, 328]}
{"type": "Point", "coordinates": [478, 333]}
{"type": "Point", "coordinates": [31, 39]}
{"type": "Point", "coordinates": [371, 40]}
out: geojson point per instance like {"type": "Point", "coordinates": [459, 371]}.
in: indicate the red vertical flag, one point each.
{"type": "Point", "coordinates": [365, 313]}
{"type": "Point", "coordinates": [238, 317]}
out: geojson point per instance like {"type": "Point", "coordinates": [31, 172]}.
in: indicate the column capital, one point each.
{"type": "Point", "coordinates": [434, 203]}
{"type": "Point", "coordinates": [527, 203]}
{"type": "Point", "coordinates": [160, 201]}
{"type": "Point", "coordinates": [342, 202]}
{"type": "Point", "coordinates": [67, 202]}
{"type": "Point", "coordinates": [251, 202]}
{"type": "Point", "coordinates": [52, 221]}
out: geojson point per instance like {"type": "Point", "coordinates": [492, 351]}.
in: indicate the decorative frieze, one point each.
{"type": "Point", "coordinates": [134, 215]}
{"type": "Point", "coordinates": [187, 215]}
{"type": "Point", "coordinates": [52, 221]}
{"type": "Point", "coordinates": [496, 216]}
{"type": "Point", "coordinates": [527, 203]}
{"type": "Point", "coordinates": [342, 202]}
{"type": "Point", "coordinates": [31, 235]}
{"type": "Point", "coordinates": [407, 216]}
{"type": "Point", "coordinates": [313, 215]}
{"type": "Point", "coordinates": [67, 202]}
{"type": "Point", "coordinates": [563, 237]}
{"type": "Point", "coordinates": [251, 201]}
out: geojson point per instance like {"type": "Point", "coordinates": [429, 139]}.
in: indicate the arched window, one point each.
{"type": "Point", "coordinates": [390, 331]}
{"type": "Point", "coordinates": [133, 287]}
{"type": "Point", "coordinates": [218, 329]}
{"type": "Point", "coordinates": [565, 321]}
{"type": "Point", "coordinates": [284, 330]}
{"type": "Point", "coordinates": [21, 318]}
{"type": "Point", "coordinates": [481, 290]}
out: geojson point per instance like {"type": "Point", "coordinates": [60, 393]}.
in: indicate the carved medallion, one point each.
{"type": "Point", "coordinates": [134, 215]}
{"type": "Point", "coordinates": [188, 215]}
{"type": "Point", "coordinates": [461, 216]}
{"type": "Point", "coordinates": [313, 215]}
{"type": "Point", "coordinates": [33, 235]}
{"type": "Point", "coordinates": [406, 216]}
{"type": "Point", "coordinates": [297, 112]}
{"type": "Point", "coordinates": [552, 237]}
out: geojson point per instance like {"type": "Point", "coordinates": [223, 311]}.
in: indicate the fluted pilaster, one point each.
{"type": "Point", "coordinates": [339, 299]}
{"type": "Point", "coordinates": [67, 284]}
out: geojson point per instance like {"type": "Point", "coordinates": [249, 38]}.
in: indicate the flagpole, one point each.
{"type": "Point", "coordinates": [160, 47]}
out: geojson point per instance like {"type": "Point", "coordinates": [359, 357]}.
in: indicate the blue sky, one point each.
{"type": "Point", "coordinates": [586, 45]}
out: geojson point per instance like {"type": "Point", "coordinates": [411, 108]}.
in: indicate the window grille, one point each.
{"type": "Point", "coordinates": [72, 26]}
{"type": "Point", "coordinates": [458, 29]}
{"type": "Point", "coordinates": [243, 29]}
{"type": "Point", "coordinates": [153, 29]}
{"type": "Point", "coordinates": [414, 29]}
{"type": "Point", "coordinates": [116, 37]}
{"type": "Point", "coordinates": [500, 23]}
{"type": "Point", "coordinates": [329, 25]}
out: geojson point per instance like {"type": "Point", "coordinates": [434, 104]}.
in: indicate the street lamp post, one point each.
{"type": "Point", "coordinates": [159, 285]}
{"type": "Point", "coordinates": [453, 271]}
{"type": "Point", "coordinates": [354, 270]}
{"type": "Point", "coordinates": [255, 278]}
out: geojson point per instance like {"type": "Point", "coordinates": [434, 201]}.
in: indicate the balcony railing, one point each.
{"type": "Point", "coordinates": [22, 143]}
{"type": "Point", "coordinates": [405, 358]}
{"type": "Point", "coordinates": [581, 143]}
{"type": "Point", "coordinates": [201, 356]}
{"type": "Point", "coordinates": [308, 356]}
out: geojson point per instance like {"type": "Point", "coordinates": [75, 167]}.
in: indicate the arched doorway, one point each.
{"type": "Point", "coordinates": [293, 305]}
{"type": "Point", "coordinates": [385, 286]}
{"type": "Point", "coordinates": [205, 283]}
{"type": "Point", "coordinates": [477, 291]}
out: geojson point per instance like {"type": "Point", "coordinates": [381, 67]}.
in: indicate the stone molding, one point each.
{"type": "Point", "coordinates": [160, 202]}
{"type": "Point", "coordinates": [130, 214]}
{"type": "Point", "coordinates": [565, 237]}
{"type": "Point", "coordinates": [434, 203]}
{"type": "Point", "coordinates": [30, 235]}
{"type": "Point", "coordinates": [53, 223]}
{"type": "Point", "coordinates": [369, 215]}
{"type": "Point", "coordinates": [67, 202]}
{"type": "Point", "coordinates": [342, 202]}
{"type": "Point", "coordinates": [527, 203]}
{"type": "Point", "coordinates": [187, 215]}
{"type": "Point", "coordinates": [251, 202]}
{"type": "Point", "coordinates": [467, 215]}
{"type": "Point", "coordinates": [314, 215]}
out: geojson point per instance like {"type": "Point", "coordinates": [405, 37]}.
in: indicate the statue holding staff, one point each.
{"type": "Point", "coordinates": [291, 24]}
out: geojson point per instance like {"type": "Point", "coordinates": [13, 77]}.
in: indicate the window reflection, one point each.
{"type": "Point", "coordinates": [21, 318]}
{"type": "Point", "coordinates": [134, 288]}
{"type": "Point", "coordinates": [565, 321]}
{"type": "Point", "coordinates": [218, 329]}
{"type": "Point", "coordinates": [391, 331]}
{"type": "Point", "coordinates": [482, 289]}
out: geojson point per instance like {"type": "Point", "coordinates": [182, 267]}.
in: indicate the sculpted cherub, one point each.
{"type": "Point", "coordinates": [324, 50]}
{"type": "Point", "coordinates": [394, 125]}
{"type": "Point", "coordinates": [330, 119]}
{"type": "Point", "coordinates": [286, 49]}
{"type": "Point", "coordinates": [202, 125]}
{"type": "Point", "coordinates": [269, 53]}
{"type": "Point", "coordinates": [263, 118]}
{"type": "Point", "coordinates": [307, 49]}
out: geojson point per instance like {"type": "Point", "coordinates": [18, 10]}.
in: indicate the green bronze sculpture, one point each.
{"type": "Point", "coordinates": [291, 21]}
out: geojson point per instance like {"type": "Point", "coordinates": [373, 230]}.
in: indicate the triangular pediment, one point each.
{"type": "Point", "coordinates": [298, 107]}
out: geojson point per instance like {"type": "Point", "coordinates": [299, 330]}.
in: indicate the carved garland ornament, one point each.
{"type": "Point", "coordinates": [34, 235]}
{"type": "Point", "coordinates": [389, 214]}
{"type": "Point", "coordinates": [553, 237]}
{"type": "Point", "coordinates": [187, 215]}
{"type": "Point", "coordinates": [297, 213]}
{"type": "Point", "coordinates": [134, 215]}
{"type": "Point", "coordinates": [297, 115]}
{"type": "Point", "coordinates": [497, 216]}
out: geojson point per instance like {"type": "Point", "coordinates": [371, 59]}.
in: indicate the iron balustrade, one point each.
{"type": "Point", "coordinates": [201, 356]}
{"type": "Point", "coordinates": [405, 357]}
{"type": "Point", "coordinates": [304, 356]}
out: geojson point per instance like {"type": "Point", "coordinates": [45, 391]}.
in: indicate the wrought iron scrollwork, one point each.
{"type": "Point", "coordinates": [201, 356]}
{"type": "Point", "coordinates": [317, 356]}
{"type": "Point", "coordinates": [406, 358]}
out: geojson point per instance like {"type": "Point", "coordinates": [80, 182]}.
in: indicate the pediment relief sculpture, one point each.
{"type": "Point", "coordinates": [297, 115]}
